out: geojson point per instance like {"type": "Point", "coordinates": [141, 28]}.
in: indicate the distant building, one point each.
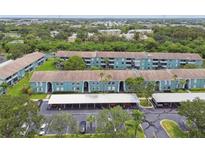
{"type": "Point", "coordinates": [144, 31]}
{"type": "Point", "coordinates": [94, 81]}
{"type": "Point", "coordinates": [115, 32]}
{"type": "Point", "coordinates": [17, 41]}
{"type": "Point", "coordinates": [54, 33]}
{"type": "Point", "coordinates": [134, 60]}
{"type": "Point", "coordinates": [72, 38]}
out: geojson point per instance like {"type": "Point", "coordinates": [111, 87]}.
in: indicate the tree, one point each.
{"type": "Point", "coordinates": [74, 63]}
{"type": "Point", "coordinates": [151, 44]}
{"type": "Point", "coordinates": [61, 121]}
{"type": "Point", "coordinates": [17, 50]}
{"type": "Point", "coordinates": [112, 121]}
{"type": "Point", "coordinates": [195, 113]}
{"type": "Point", "coordinates": [16, 111]}
{"type": "Point", "coordinates": [136, 85]}
{"type": "Point", "coordinates": [175, 80]}
{"type": "Point", "coordinates": [148, 89]}
{"type": "Point", "coordinates": [182, 83]}
{"type": "Point", "coordinates": [134, 123]}
{"type": "Point", "coordinates": [91, 120]}
{"type": "Point", "coordinates": [106, 60]}
{"type": "Point", "coordinates": [104, 79]}
{"type": "Point", "coordinates": [189, 66]}
{"type": "Point", "coordinates": [4, 86]}
{"type": "Point", "coordinates": [137, 36]}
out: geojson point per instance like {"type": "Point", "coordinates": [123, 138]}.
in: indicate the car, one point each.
{"type": "Point", "coordinates": [25, 128]}
{"type": "Point", "coordinates": [82, 127]}
{"type": "Point", "coordinates": [43, 128]}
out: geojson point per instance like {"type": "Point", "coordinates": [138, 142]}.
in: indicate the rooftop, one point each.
{"type": "Point", "coordinates": [119, 75]}
{"type": "Point", "coordinates": [18, 64]}
{"type": "Point", "coordinates": [92, 98]}
{"type": "Point", "coordinates": [177, 97]}
{"type": "Point", "coordinates": [63, 76]}
{"type": "Point", "coordinates": [118, 54]}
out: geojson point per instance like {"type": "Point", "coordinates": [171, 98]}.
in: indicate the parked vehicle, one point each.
{"type": "Point", "coordinates": [25, 128]}
{"type": "Point", "coordinates": [82, 127]}
{"type": "Point", "coordinates": [43, 128]}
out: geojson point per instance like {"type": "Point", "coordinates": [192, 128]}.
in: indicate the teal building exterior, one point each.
{"type": "Point", "coordinates": [134, 60]}
{"type": "Point", "coordinates": [15, 70]}
{"type": "Point", "coordinates": [91, 82]}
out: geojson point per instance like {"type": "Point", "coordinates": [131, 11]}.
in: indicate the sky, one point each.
{"type": "Point", "coordinates": [102, 7]}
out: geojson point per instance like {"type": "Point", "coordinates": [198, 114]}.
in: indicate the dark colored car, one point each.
{"type": "Point", "coordinates": [82, 127]}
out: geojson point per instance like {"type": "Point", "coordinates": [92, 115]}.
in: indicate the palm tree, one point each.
{"type": "Point", "coordinates": [175, 80]}
{"type": "Point", "coordinates": [134, 124]}
{"type": "Point", "coordinates": [182, 83]}
{"type": "Point", "coordinates": [91, 120]}
{"type": "Point", "coordinates": [101, 75]}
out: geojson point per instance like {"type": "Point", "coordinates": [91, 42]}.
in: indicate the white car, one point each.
{"type": "Point", "coordinates": [42, 130]}
{"type": "Point", "coordinates": [25, 128]}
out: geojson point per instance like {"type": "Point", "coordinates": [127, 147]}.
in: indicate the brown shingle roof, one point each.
{"type": "Point", "coordinates": [76, 53]}
{"type": "Point", "coordinates": [104, 54]}
{"type": "Point", "coordinates": [148, 75]}
{"type": "Point", "coordinates": [189, 73]}
{"type": "Point", "coordinates": [63, 76]}
{"type": "Point", "coordinates": [19, 64]}
{"type": "Point", "coordinates": [140, 55]}
{"type": "Point", "coordinates": [184, 56]}
{"type": "Point", "coordinates": [152, 75]}
{"type": "Point", "coordinates": [115, 54]}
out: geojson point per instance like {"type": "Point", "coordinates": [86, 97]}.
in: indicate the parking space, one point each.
{"type": "Point", "coordinates": [151, 126]}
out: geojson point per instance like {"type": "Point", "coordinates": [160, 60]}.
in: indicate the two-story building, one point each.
{"type": "Point", "coordinates": [114, 80]}
{"type": "Point", "coordinates": [134, 60]}
{"type": "Point", "coordinates": [14, 70]}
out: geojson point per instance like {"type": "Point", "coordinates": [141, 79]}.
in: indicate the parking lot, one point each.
{"type": "Point", "coordinates": [151, 126]}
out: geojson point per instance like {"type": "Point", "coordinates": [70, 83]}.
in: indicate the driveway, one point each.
{"type": "Point", "coordinates": [152, 127]}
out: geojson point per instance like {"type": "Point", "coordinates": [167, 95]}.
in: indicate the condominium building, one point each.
{"type": "Point", "coordinates": [114, 80]}
{"type": "Point", "coordinates": [134, 60]}
{"type": "Point", "coordinates": [14, 70]}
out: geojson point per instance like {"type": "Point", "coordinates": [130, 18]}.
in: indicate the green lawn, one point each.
{"type": "Point", "coordinates": [16, 90]}
{"type": "Point", "coordinates": [145, 103]}
{"type": "Point", "coordinates": [172, 128]}
{"type": "Point", "coordinates": [179, 91]}
{"type": "Point", "coordinates": [48, 65]}
{"type": "Point", "coordinates": [197, 90]}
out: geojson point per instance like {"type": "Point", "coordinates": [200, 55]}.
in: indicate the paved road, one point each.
{"type": "Point", "coordinates": [152, 127]}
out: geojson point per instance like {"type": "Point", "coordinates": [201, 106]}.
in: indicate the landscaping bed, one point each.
{"type": "Point", "coordinates": [145, 103]}
{"type": "Point", "coordinates": [172, 129]}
